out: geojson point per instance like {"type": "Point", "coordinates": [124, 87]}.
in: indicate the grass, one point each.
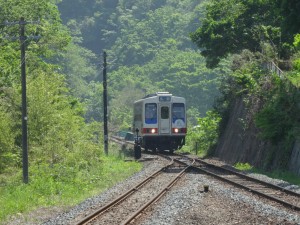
{"type": "Point", "coordinates": [243, 166]}
{"type": "Point", "coordinates": [282, 175]}
{"type": "Point", "coordinates": [276, 174]}
{"type": "Point", "coordinates": [60, 185]}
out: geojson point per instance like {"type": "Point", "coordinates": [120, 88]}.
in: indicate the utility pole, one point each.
{"type": "Point", "coordinates": [23, 39]}
{"type": "Point", "coordinates": [24, 103]}
{"type": "Point", "coordinates": [105, 104]}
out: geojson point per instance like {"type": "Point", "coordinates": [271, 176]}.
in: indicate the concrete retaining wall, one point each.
{"type": "Point", "coordinates": [243, 144]}
{"type": "Point", "coordinates": [294, 164]}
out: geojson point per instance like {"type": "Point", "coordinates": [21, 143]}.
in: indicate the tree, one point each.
{"type": "Point", "coordinates": [289, 9]}
{"type": "Point", "coordinates": [234, 25]}
{"type": "Point", "coordinates": [121, 107]}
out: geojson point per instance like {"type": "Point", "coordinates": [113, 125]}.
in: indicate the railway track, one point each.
{"type": "Point", "coordinates": [263, 189]}
{"type": "Point", "coordinates": [272, 192]}
{"type": "Point", "coordinates": [131, 204]}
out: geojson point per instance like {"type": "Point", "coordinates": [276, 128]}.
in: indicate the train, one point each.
{"type": "Point", "coordinates": [160, 121]}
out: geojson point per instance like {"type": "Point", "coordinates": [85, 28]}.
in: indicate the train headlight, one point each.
{"type": "Point", "coordinates": [179, 130]}
{"type": "Point", "coordinates": [149, 131]}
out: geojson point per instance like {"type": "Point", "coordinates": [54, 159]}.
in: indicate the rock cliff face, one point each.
{"type": "Point", "coordinates": [240, 142]}
{"type": "Point", "coordinates": [294, 165]}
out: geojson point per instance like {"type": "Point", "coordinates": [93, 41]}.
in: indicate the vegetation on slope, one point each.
{"type": "Point", "coordinates": [61, 184]}
{"type": "Point", "coordinates": [253, 33]}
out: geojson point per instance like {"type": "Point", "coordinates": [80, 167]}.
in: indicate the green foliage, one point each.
{"type": "Point", "coordinates": [289, 9]}
{"type": "Point", "coordinates": [78, 64]}
{"type": "Point", "coordinates": [276, 174]}
{"type": "Point", "coordinates": [56, 129]}
{"type": "Point", "coordinates": [182, 73]}
{"type": "Point", "coordinates": [204, 136]}
{"type": "Point", "coordinates": [294, 76]}
{"type": "Point", "coordinates": [8, 152]}
{"type": "Point", "coordinates": [55, 123]}
{"type": "Point", "coordinates": [297, 41]}
{"type": "Point", "coordinates": [148, 50]}
{"type": "Point", "coordinates": [243, 166]}
{"type": "Point", "coordinates": [62, 184]}
{"type": "Point", "coordinates": [53, 35]}
{"type": "Point", "coordinates": [121, 107]}
{"type": "Point", "coordinates": [94, 103]}
{"type": "Point", "coordinates": [280, 174]}
{"type": "Point", "coordinates": [279, 123]}
{"type": "Point", "coordinates": [272, 103]}
{"type": "Point", "coordinates": [279, 116]}
{"type": "Point", "coordinates": [231, 26]}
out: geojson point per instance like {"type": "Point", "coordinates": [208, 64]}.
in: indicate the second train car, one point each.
{"type": "Point", "coordinates": [161, 121]}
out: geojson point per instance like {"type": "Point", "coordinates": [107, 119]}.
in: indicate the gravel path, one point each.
{"type": "Point", "coordinates": [187, 203]}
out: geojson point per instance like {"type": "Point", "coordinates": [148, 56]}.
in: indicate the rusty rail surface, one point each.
{"type": "Point", "coordinates": [101, 211]}
{"type": "Point", "coordinates": [267, 190]}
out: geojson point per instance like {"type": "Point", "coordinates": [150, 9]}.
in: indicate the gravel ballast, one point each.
{"type": "Point", "coordinates": [186, 203]}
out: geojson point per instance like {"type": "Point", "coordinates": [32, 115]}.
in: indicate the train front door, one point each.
{"type": "Point", "coordinates": [164, 123]}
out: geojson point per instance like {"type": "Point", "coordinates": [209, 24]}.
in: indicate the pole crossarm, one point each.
{"type": "Point", "coordinates": [20, 22]}
{"type": "Point", "coordinates": [23, 38]}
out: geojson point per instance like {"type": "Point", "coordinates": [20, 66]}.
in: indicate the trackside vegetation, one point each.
{"type": "Point", "coordinates": [203, 137]}
{"type": "Point", "coordinates": [255, 39]}
{"type": "Point", "coordinates": [276, 174]}
{"type": "Point", "coordinates": [60, 184]}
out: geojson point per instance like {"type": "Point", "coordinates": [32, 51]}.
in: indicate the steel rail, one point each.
{"type": "Point", "coordinates": [250, 189]}
{"type": "Point", "coordinates": [156, 198]}
{"type": "Point", "coordinates": [161, 194]}
{"type": "Point", "coordinates": [122, 197]}
{"type": "Point", "coordinates": [251, 178]}
{"type": "Point", "coordinates": [120, 140]}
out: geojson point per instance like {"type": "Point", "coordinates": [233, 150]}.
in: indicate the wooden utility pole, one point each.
{"type": "Point", "coordinates": [22, 38]}
{"type": "Point", "coordinates": [105, 104]}
{"type": "Point", "coordinates": [24, 102]}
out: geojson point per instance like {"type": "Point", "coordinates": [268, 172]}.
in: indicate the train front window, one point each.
{"type": "Point", "coordinates": [150, 113]}
{"type": "Point", "coordinates": [164, 112]}
{"type": "Point", "coordinates": [178, 112]}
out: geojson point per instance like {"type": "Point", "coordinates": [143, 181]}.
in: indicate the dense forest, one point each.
{"type": "Point", "coordinates": [148, 48]}
{"type": "Point", "coordinates": [208, 51]}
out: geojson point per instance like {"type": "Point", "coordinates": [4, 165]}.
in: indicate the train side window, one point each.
{"type": "Point", "coordinates": [178, 111]}
{"type": "Point", "coordinates": [164, 112]}
{"type": "Point", "coordinates": [150, 113]}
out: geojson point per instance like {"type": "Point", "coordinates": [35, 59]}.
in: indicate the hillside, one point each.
{"type": "Point", "coordinates": [149, 50]}
{"type": "Point", "coordinates": [260, 98]}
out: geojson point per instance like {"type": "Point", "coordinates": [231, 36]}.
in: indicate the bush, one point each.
{"type": "Point", "coordinates": [280, 113]}
{"type": "Point", "coordinates": [204, 136]}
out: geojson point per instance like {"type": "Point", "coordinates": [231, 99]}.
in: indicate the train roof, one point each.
{"type": "Point", "coordinates": [162, 96]}
{"type": "Point", "coordinates": [158, 94]}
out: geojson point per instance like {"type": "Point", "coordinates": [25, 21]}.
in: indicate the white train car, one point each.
{"type": "Point", "coordinates": [161, 121]}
